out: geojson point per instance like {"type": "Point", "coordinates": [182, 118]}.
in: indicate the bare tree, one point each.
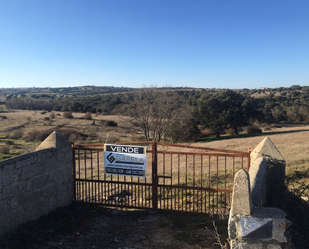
{"type": "Point", "coordinates": [154, 111]}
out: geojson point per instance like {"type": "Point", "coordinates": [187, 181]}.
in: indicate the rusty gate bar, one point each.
{"type": "Point", "coordinates": [154, 176]}
{"type": "Point", "coordinates": [179, 178]}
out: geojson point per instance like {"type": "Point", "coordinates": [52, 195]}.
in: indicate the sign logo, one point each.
{"type": "Point", "coordinates": [111, 158]}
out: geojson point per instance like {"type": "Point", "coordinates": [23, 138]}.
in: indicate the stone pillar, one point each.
{"type": "Point", "coordinates": [273, 173]}
{"type": "Point", "coordinates": [241, 198]}
{"type": "Point", "coordinates": [251, 226]}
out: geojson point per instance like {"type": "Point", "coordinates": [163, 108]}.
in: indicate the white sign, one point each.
{"type": "Point", "coordinates": [125, 160]}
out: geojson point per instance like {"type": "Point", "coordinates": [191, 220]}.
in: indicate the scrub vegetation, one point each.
{"type": "Point", "coordinates": [223, 119]}
{"type": "Point", "coordinates": [108, 114]}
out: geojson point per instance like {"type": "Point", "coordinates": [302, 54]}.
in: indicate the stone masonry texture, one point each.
{"type": "Point", "coordinates": [35, 184]}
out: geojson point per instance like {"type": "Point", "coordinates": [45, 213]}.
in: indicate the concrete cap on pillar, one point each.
{"type": "Point", "coordinates": [267, 149]}
{"type": "Point", "coordinates": [54, 140]}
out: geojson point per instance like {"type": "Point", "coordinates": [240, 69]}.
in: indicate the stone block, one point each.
{"type": "Point", "coordinates": [265, 225]}
{"type": "Point", "coordinates": [42, 157]}
{"type": "Point", "coordinates": [233, 220]}
{"type": "Point", "coordinates": [1, 184]}
{"type": "Point", "coordinates": [24, 160]}
{"type": "Point", "coordinates": [55, 175]}
{"type": "Point", "coordinates": [25, 174]}
{"type": "Point", "coordinates": [15, 218]}
{"type": "Point", "coordinates": [21, 163]}
{"type": "Point", "coordinates": [241, 198]}
{"type": "Point", "coordinates": [238, 244]}
{"type": "Point", "coordinates": [53, 203]}
{"type": "Point", "coordinates": [68, 155]}
{"type": "Point", "coordinates": [11, 191]}
{"type": "Point", "coordinates": [258, 176]}
{"type": "Point", "coordinates": [251, 228]}
{"type": "Point", "coordinates": [280, 223]}
{"type": "Point", "coordinates": [14, 203]}
{"type": "Point", "coordinates": [61, 159]}
{"type": "Point", "coordinates": [8, 174]}
{"type": "Point", "coordinates": [39, 181]}
{"type": "Point", "coordinates": [279, 228]}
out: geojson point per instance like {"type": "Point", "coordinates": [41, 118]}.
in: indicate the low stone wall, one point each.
{"type": "Point", "coordinates": [254, 220]}
{"type": "Point", "coordinates": [35, 184]}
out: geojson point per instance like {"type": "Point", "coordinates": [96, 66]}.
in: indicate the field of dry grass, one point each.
{"type": "Point", "coordinates": [293, 144]}
{"type": "Point", "coordinates": [17, 126]}
{"type": "Point", "coordinates": [291, 141]}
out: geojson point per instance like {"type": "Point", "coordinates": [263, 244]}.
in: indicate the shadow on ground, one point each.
{"type": "Point", "coordinates": [83, 226]}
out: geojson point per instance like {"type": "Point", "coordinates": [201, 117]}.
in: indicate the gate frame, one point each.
{"type": "Point", "coordinates": [155, 178]}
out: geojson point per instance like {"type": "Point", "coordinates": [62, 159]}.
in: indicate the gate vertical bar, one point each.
{"type": "Point", "coordinates": [74, 172]}
{"type": "Point", "coordinates": [249, 159]}
{"type": "Point", "coordinates": [154, 176]}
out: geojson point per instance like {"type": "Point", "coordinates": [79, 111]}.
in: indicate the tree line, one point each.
{"type": "Point", "coordinates": [162, 113]}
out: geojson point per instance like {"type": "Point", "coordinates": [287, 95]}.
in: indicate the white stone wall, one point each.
{"type": "Point", "coordinates": [33, 185]}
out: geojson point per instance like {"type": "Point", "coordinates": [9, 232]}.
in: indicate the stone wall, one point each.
{"type": "Point", "coordinates": [254, 220]}
{"type": "Point", "coordinates": [35, 184]}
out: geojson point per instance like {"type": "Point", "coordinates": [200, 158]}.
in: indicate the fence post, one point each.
{"type": "Point", "coordinates": [154, 176]}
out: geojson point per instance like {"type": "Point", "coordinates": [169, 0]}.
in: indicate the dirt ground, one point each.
{"type": "Point", "coordinates": [83, 226]}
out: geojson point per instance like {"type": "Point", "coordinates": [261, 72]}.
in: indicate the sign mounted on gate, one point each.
{"type": "Point", "coordinates": [125, 160]}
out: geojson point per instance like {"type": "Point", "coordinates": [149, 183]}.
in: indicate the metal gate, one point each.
{"type": "Point", "coordinates": [178, 177]}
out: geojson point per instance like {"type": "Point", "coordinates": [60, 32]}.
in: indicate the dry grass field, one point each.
{"type": "Point", "coordinates": [18, 130]}
{"type": "Point", "coordinates": [293, 144]}
{"type": "Point", "coordinates": [291, 141]}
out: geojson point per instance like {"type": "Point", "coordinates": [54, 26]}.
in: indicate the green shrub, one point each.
{"type": "Point", "coordinates": [43, 134]}
{"type": "Point", "coordinates": [109, 123]}
{"type": "Point", "coordinates": [17, 134]}
{"type": "Point", "coordinates": [253, 129]}
{"type": "Point", "coordinates": [30, 136]}
{"type": "Point", "coordinates": [87, 116]}
{"type": "Point", "coordinates": [68, 115]}
{"type": "Point", "coordinates": [206, 133]}
{"type": "Point", "coordinates": [9, 142]}
{"type": "Point", "coordinates": [5, 150]}
{"type": "Point", "coordinates": [230, 131]}
{"type": "Point", "coordinates": [267, 128]}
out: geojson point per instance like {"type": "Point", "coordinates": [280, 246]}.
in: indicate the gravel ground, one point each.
{"type": "Point", "coordinates": [83, 226]}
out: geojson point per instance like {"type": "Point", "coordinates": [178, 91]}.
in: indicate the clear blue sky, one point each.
{"type": "Point", "coordinates": [135, 43]}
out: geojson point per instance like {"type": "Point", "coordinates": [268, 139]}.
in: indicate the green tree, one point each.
{"type": "Point", "coordinates": [225, 109]}
{"type": "Point", "coordinates": [184, 127]}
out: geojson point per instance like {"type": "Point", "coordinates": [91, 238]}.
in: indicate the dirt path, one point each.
{"type": "Point", "coordinates": [88, 226]}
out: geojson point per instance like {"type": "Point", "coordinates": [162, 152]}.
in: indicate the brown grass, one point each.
{"type": "Point", "coordinates": [291, 141]}
{"type": "Point", "coordinates": [20, 123]}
